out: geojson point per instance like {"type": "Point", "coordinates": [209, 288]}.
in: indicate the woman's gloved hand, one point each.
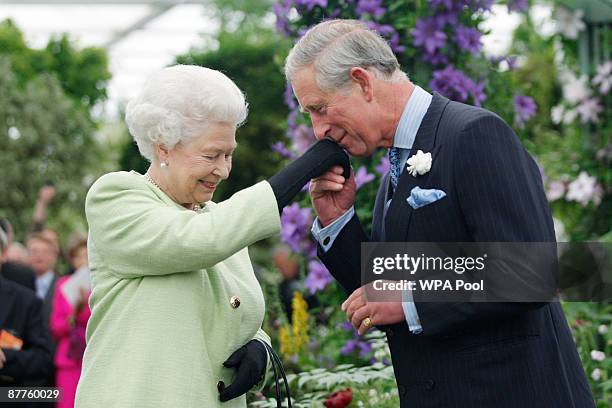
{"type": "Point", "coordinates": [319, 158]}
{"type": "Point", "coordinates": [250, 362]}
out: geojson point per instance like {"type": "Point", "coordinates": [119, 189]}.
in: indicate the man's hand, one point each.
{"type": "Point", "coordinates": [2, 359]}
{"type": "Point", "coordinates": [332, 195]}
{"type": "Point", "coordinates": [357, 308]}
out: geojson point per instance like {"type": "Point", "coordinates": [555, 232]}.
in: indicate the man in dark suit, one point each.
{"type": "Point", "coordinates": [483, 187]}
{"type": "Point", "coordinates": [25, 354]}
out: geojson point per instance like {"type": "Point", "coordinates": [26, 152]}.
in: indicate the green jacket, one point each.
{"type": "Point", "coordinates": [162, 279]}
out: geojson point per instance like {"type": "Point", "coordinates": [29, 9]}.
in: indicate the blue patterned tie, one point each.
{"type": "Point", "coordinates": [394, 161]}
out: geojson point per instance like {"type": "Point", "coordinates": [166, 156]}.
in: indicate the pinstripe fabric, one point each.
{"type": "Point", "coordinates": [472, 355]}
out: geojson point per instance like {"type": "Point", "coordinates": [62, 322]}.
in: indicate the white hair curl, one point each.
{"type": "Point", "coordinates": [178, 102]}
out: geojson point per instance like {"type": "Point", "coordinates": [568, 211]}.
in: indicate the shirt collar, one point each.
{"type": "Point", "coordinates": [411, 118]}
{"type": "Point", "coordinates": [44, 280]}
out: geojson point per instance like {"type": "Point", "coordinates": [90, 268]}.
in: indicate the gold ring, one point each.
{"type": "Point", "coordinates": [367, 322]}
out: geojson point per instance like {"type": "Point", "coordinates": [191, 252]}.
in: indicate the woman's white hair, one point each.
{"type": "Point", "coordinates": [178, 102]}
{"type": "Point", "coordinates": [335, 46]}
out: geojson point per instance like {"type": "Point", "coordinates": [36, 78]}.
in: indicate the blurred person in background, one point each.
{"type": "Point", "coordinates": [44, 250]}
{"type": "Point", "coordinates": [25, 347]}
{"type": "Point", "coordinates": [45, 196]}
{"type": "Point", "coordinates": [12, 269]}
{"type": "Point", "coordinates": [176, 307]}
{"type": "Point", "coordinates": [18, 253]}
{"type": "Point", "coordinates": [69, 317]}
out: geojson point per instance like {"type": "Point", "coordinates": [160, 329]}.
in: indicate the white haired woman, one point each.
{"type": "Point", "coordinates": [176, 308]}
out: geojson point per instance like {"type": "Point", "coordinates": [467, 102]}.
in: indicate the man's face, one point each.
{"type": "Point", "coordinates": [42, 255]}
{"type": "Point", "coordinates": [344, 116]}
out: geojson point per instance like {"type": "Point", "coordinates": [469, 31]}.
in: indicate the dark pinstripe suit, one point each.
{"type": "Point", "coordinates": [472, 354]}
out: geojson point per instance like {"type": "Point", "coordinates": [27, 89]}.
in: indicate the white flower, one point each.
{"type": "Point", "coordinates": [604, 77]}
{"type": "Point", "coordinates": [570, 116]}
{"type": "Point", "coordinates": [597, 355]}
{"type": "Point", "coordinates": [14, 133]}
{"type": "Point", "coordinates": [420, 163]}
{"type": "Point", "coordinates": [556, 114]}
{"type": "Point", "coordinates": [584, 189]}
{"type": "Point", "coordinates": [575, 89]}
{"type": "Point", "coordinates": [603, 329]}
{"type": "Point", "coordinates": [596, 374]}
{"type": "Point", "coordinates": [556, 190]}
{"type": "Point", "coordinates": [589, 109]}
{"type": "Point", "coordinates": [569, 23]}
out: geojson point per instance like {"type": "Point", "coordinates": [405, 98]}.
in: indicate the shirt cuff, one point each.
{"type": "Point", "coordinates": [410, 313]}
{"type": "Point", "coordinates": [326, 236]}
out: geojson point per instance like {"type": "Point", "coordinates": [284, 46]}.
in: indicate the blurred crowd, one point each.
{"type": "Point", "coordinates": [44, 294]}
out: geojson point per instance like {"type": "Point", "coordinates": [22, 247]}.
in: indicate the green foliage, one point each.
{"type": "Point", "coordinates": [82, 73]}
{"type": "Point", "coordinates": [43, 139]}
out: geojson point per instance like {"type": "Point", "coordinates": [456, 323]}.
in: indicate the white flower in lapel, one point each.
{"type": "Point", "coordinates": [419, 163]}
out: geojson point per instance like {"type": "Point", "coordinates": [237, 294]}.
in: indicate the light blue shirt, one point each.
{"type": "Point", "coordinates": [43, 282]}
{"type": "Point", "coordinates": [406, 132]}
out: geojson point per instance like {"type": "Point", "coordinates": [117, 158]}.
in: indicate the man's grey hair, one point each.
{"type": "Point", "coordinates": [335, 46]}
{"type": "Point", "coordinates": [178, 103]}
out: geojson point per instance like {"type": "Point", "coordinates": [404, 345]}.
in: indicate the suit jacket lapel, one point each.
{"type": "Point", "coordinates": [400, 212]}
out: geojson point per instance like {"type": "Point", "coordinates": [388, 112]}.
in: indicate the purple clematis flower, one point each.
{"type": "Point", "coordinates": [520, 6]}
{"type": "Point", "coordinates": [362, 177]}
{"type": "Point", "coordinates": [525, 108]}
{"type": "Point", "coordinates": [318, 277]}
{"type": "Point", "coordinates": [281, 11]}
{"type": "Point", "coordinates": [289, 98]}
{"type": "Point", "coordinates": [384, 166]}
{"type": "Point", "coordinates": [428, 35]}
{"type": "Point", "coordinates": [371, 7]}
{"type": "Point", "coordinates": [452, 83]}
{"type": "Point", "coordinates": [295, 226]}
{"type": "Point", "coordinates": [478, 94]}
{"type": "Point", "coordinates": [468, 39]}
{"type": "Point", "coordinates": [310, 4]}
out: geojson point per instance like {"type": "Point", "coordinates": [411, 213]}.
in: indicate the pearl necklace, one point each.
{"type": "Point", "coordinates": [147, 176]}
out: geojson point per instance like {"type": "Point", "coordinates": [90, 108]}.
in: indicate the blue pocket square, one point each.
{"type": "Point", "coordinates": [420, 197]}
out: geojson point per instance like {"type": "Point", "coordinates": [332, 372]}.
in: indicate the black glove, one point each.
{"type": "Point", "coordinates": [250, 362]}
{"type": "Point", "coordinates": [319, 158]}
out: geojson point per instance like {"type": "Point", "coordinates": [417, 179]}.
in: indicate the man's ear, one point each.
{"type": "Point", "coordinates": [365, 80]}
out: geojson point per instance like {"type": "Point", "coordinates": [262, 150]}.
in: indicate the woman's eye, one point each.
{"type": "Point", "coordinates": [209, 157]}
{"type": "Point", "coordinates": [228, 157]}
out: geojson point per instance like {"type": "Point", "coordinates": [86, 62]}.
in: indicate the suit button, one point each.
{"type": "Point", "coordinates": [326, 241]}
{"type": "Point", "coordinates": [235, 302]}
{"type": "Point", "coordinates": [220, 386]}
{"type": "Point", "coordinates": [429, 384]}
{"type": "Point", "coordinates": [390, 332]}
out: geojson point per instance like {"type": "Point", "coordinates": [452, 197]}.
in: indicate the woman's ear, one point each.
{"type": "Point", "coordinates": [162, 154]}
{"type": "Point", "coordinates": [364, 80]}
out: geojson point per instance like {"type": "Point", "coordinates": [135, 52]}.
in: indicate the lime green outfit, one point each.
{"type": "Point", "coordinates": [164, 286]}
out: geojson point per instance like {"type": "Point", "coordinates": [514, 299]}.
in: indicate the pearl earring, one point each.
{"type": "Point", "coordinates": [163, 164]}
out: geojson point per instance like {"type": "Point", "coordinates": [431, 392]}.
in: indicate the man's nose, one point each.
{"type": "Point", "coordinates": [321, 128]}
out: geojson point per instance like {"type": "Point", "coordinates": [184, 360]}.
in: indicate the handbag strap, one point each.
{"type": "Point", "coordinates": [276, 362]}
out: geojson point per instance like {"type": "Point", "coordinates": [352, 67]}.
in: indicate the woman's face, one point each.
{"type": "Point", "coordinates": [196, 167]}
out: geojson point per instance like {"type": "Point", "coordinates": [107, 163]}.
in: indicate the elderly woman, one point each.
{"type": "Point", "coordinates": [176, 309]}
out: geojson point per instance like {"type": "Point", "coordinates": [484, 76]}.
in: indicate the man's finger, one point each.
{"type": "Point", "coordinates": [356, 304]}
{"type": "Point", "coordinates": [359, 315]}
{"type": "Point", "coordinates": [356, 293]}
{"type": "Point", "coordinates": [326, 185]}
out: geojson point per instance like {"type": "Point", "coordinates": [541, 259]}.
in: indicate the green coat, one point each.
{"type": "Point", "coordinates": [162, 279]}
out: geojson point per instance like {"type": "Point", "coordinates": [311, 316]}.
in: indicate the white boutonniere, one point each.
{"type": "Point", "coordinates": [419, 163]}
